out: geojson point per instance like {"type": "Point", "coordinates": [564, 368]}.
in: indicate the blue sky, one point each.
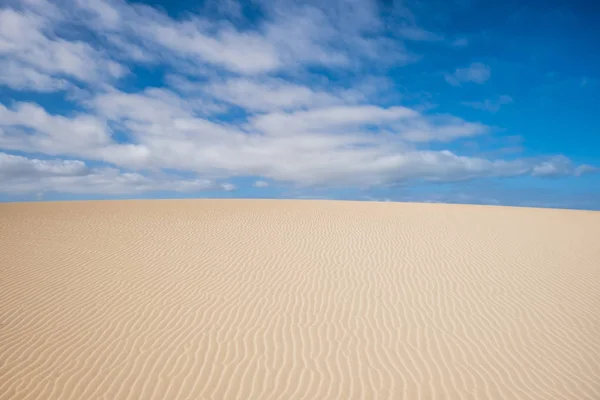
{"type": "Point", "coordinates": [438, 101]}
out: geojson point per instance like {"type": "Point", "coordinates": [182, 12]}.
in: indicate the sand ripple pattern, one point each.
{"type": "Point", "coordinates": [206, 299]}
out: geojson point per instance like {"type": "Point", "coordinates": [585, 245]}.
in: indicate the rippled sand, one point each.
{"type": "Point", "coordinates": [268, 299]}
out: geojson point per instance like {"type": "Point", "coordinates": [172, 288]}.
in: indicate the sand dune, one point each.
{"type": "Point", "coordinates": [242, 299]}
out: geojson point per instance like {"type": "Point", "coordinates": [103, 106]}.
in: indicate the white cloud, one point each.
{"type": "Point", "coordinates": [554, 167]}
{"type": "Point", "coordinates": [19, 76]}
{"type": "Point", "coordinates": [476, 72]}
{"type": "Point", "coordinates": [29, 175]}
{"type": "Point", "coordinates": [269, 94]}
{"type": "Point", "coordinates": [51, 133]}
{"type": "Point", "coordinates": [294, 126]}
{"type": "Point", "coordinates": [412, 32]}
{"type": "Point", "coordinates": [442, 128]}
{"type": "Point", "coordinates": [28, 127]}
{"type": "Point", "coordinates": [105, 12]}
{"type": "Point", "coordinates": [491, 105]}
{"type": "Point", "coordinates": [328, 119]}
{"type": "Point", "coordinates": [193, 39]}
{"type": "Point", "coordinates": [560, 166]}
{"type": "Point", "coordinates": [317, 147]}
{"type": "Point", "coordinates": [260, 184]}
{"type": "Point", "coordinates": [29, 41]}
{"type": "Point", "coordinates": [152, 104]}
{"type": "Point", "coordinates": [334, 34]}
{"type": "Point", "coordinates": [291, 36]}
{"type": "Point", "coordinates": [228, 187]}
{"type": "Point", "coordinates": [16, 167]}
{"type": "Point", "coordinates": [330, 34]}
{"type": "Point", "coordinates": [240, 52]}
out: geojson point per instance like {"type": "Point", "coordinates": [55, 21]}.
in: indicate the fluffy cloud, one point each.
{"type": "Point", "coordinates": [28, 124]}
{"type": "Point", "coordinates": [37, 55]}
{"type": "Point", "coordinates": [476, 73]}
{"type": "Point", "coordinates": [260, 184]}
{"type": "Point", "coordinates": [269, 94]}
{"type": "Point", "coordinates": [235, 101]}
{"type": "Point", "coordinates": [16, 167]}
{"type": "Point", "coordinates": [228, 187]}
{"type": "Point", "coordinates": [329, 119]}
{"type": "Point", "coordinates": [18, 76]}
{"type": "Point", "coordinates": [334, 146]}
{"type": "Point", "coordinates": [560, 166]}
{"type": "Point", "coordinates": [29, 175]}
{"type": "Point", "coordinates": [333, 35]}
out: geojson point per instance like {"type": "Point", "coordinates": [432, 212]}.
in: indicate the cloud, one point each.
{"type": "Point", "coordinates": [272, 98]}
{"type": "Point", "coordinates": [476, 73]}
{"type": "Point", "coordinates": [489, 104]}
{"type": "Point", "coordinates": [269, 94]}
{"type": "Point", "coordinates": [330, 34]}
{"type": "Point", "coordinates": [554, 167]}
{"type": "Point", "coordinates": [337, 34]}
{"type": "Point", "coordinates": [328, 119]}
{"type": "Point", "coordinates": [236, 51]}
{"type": "Point", "coordinates": [442, 128]}
{"type": "Point", "coordinates": [38, 55]}
{"type": "Point", "coordinates": [411, 32]}
{"type": "Point", "coordinates": [228, 187]}
{"type": "Point", "coordinates": [363, 146]}
{"type": "Point", "coordinates": [16, 167]}
{"type": "Point", "coordinates": [260, 184]}
{"type": "Point", "coordinates": [560, 166]}
{"type": "Point", "coordinates": [28, 127]}
{"type": "Point", "coordinates": [152, 104]}
{"type": "Point", "coordinates": [290, 36]}
{"type": "Point", "coordinates": [585, 169]}
{"type": "Point", "coordinates": [43, 132]}
{"type": "Point", "coordinates": [194, 39]}
{"type": "Point", "coordinates": [19, 76]}
{"type": "Point", "coordinates": [29, 175]}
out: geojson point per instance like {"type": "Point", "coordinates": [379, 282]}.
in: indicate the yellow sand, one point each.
{"type": "Point", "coordinates": [255, 299]}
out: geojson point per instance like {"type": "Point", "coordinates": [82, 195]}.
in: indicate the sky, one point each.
{"type": "Point", "coordinates": [454, 101]}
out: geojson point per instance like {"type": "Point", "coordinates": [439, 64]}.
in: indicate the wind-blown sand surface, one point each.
{"type": "Point", "coordinates": [255, 299]}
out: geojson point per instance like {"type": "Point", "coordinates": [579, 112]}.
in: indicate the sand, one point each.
{"type": "Point", "coordinates": [271, 299]}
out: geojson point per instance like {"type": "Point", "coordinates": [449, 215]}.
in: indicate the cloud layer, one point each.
{"type": "Point", "coordinates": [235, 97]}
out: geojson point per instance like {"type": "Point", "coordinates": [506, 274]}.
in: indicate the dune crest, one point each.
{"type": "Point", "coordinates": [268, 299]}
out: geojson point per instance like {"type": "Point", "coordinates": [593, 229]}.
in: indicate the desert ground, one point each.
{"type": "Point", "coordinates": [278, 299]}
